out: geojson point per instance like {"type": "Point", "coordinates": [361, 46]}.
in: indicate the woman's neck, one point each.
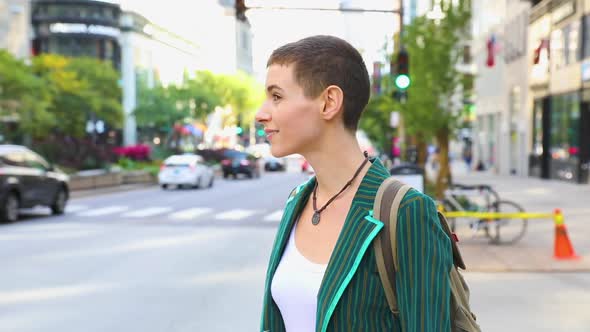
{"type": "Point", "coordinates": [335, 162]}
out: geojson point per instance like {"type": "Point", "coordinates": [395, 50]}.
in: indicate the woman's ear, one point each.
{"type": "Point", "coordinates": [333, 99]}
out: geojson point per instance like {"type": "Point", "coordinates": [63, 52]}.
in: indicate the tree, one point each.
{"type": "Point", "coordinates": [79, 89]}
{"type": "Point", "coordinates": [24, 97]}
{"type": "Point", "coordinates": [197, 97]}
{"type": "Point", "coordinates": [434, 54]}
{"type": "Point", "coordinates": [102, 82]}
{"type": "Point", "coordinates": [375, 121]}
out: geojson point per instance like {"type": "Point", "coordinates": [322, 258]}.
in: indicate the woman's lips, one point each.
{"type": "Point", "coordinates": [270, 133]}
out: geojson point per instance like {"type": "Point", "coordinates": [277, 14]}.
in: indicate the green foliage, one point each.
{"type": "Point", "coordinates": [433, 50]}
{"type": "Point", "coordinates": [152, 167]}
{"type": "Point", "coordinates": [197, 97]}
{"type": "Point", "coordinates": [24, 96]}
{"type": "Point", "coordinates": [102, 81]}
{"type": "Point", "coordinates": [434, 55]}
{"type": "Point", "coordinates": [375, 121]}
{"type": "Point", "coordinates": [79, 87]}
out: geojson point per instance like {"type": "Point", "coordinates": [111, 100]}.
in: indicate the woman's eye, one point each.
{"type": "Point", "coordinates": [276, 97]}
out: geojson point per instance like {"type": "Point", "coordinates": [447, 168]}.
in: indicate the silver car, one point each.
{"type": "Point", "coordinates": [185, 170]}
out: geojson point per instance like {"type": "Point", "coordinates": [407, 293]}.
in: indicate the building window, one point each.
{"type": "Point", "coordinates": [565, 45]}
{"type": "Point", "coordinates": [565, 126]}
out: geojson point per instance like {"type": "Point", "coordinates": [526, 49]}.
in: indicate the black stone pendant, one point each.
{"type": "Point", "coordinates": [316, 218]}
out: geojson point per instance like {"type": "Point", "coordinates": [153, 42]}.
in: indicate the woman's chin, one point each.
{"type": "Point", "coordinates": [278, 152]}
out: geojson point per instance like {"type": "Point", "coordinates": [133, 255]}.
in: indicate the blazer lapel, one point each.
{"type": "Point", "coordinates": [359, 230]}
{"type": "Point", "coordinates": [295, 203]}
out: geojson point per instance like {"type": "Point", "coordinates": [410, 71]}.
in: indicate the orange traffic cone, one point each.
{"type": "Point", "coordinates": [563, 245]}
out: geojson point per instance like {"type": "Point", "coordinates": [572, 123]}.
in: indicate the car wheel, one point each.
{"type": "Point", "coordinates": [59, 204]}
{"type": "Point", "coordinates": [164, 186]}
{"type": "Point", "coordinates": [9, 208]}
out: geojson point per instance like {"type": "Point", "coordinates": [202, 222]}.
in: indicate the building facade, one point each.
{"type": "Point", "coordinates": [150, 55]}
{"type": "Point", "coordinates": [501, 85]}
{"type": "Point", "coordinates": [14, 27]}
{"type": "Point", "coordinates": [559, 84]}
{"type": "Point", "coordinates": [142, 51]}
{"type": "Point", "coordinates": [77, 28]}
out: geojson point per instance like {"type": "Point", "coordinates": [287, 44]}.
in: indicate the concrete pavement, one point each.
{"type": "Point", "coordinates": [128, 261]}
{"type": "Point", "coordinates": [535, 251]}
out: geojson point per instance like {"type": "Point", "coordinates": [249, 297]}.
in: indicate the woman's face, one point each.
{"type": "Point", "coordinates": [291, 120]}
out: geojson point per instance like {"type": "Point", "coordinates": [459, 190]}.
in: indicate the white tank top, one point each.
{"type": "Point", "coordinates": [295, 287]}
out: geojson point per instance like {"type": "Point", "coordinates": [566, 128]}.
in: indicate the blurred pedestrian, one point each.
{"type": "Point", "coordinates": [322, 274]}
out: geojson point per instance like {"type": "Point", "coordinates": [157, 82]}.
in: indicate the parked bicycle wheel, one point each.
{"type": "Point", "coordinates": [506, 230]}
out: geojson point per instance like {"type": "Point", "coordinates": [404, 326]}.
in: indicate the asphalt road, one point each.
{"type": "Point", "coordinates": [194, 260]}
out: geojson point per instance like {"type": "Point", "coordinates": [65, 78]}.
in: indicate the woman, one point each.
{"type": "Point", "coordinates": [322, 274]}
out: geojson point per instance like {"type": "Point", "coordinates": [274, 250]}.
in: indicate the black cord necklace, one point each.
{"type": "Point", "coordinates": [315, 220]}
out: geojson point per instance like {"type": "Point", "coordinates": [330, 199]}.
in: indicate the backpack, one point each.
{"type": "Point", "coordinates": [386, 206]}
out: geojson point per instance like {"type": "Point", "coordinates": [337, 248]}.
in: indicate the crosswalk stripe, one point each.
{"type": "Point", "coordinates": [71, 208]}
{"type": "Point", "coordinates": [236, 214]}
{"type": "Point", "coordinates": [190, 213]}
{"type": "Point", "coordinates": [275, 216]}
{"type": "Point", "coordinates": [103, 211]}
{"type": "Point", "coordinates": [147, 212]}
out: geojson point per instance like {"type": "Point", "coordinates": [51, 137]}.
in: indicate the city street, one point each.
{"type": "Point", "coordinates": [195, 260]}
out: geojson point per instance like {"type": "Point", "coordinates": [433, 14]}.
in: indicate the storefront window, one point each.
{"type": "Point", "coordinates": [74, 46]}
{"type": "Point", "coordinates": [565, 126]}
{"type": "Point", "coordinates": [538, 128]}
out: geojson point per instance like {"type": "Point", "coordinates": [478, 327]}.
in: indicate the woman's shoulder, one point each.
{"type": "Point", "coordinates": [417, 201]}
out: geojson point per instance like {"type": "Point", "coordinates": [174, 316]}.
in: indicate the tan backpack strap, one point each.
{"type": "Point", "coordinates": [385, 208]}
{"type": "Point", "coordinates": [457, 258]}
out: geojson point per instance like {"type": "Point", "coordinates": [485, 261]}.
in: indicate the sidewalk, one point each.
{"type": "Point", "coordinates": [535, 251]}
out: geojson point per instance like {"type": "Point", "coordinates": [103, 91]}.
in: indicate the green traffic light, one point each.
{"type": "Point", "coordinates": [260, 132]}
{"type": "Point", "coordinates": [239, 130]}
{"type": "Point", "coordinates": [402, 81]}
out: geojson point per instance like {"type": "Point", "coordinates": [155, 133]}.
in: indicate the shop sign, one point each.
{"type": "Point", "coordinates": [84, 28]}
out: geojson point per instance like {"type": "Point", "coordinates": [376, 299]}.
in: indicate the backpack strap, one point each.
{"type": "Point", "coordinates": [457, 258]}
{"type": "Point", "coordinates": [385, 208]}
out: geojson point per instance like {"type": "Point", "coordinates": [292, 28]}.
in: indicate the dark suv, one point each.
{"type": "Point", "coordinates": [27, 180]}
{"type": "Point", "coordinates": [237, 162]}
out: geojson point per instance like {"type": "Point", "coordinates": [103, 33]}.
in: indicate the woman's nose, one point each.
{"type": "Point", "coordinates": [262, 115]}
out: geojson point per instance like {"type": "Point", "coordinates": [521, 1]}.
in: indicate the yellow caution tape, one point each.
{"type": "Point", "coordinates": [499, 215]}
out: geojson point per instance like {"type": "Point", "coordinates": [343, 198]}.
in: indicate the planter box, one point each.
{"type": "Point", "coordinates": [133, 177]}
{"type": "Point", "coordinates": [93, 179]}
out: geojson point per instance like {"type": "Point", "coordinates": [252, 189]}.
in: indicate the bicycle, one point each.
{"type": "Point", "coordinates": [459, 197]}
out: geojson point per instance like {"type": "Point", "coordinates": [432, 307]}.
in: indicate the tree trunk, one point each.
{"type": "Point", "coordinates": [422, 150]}
{"type": "Point", "coordinates": [444, 174]}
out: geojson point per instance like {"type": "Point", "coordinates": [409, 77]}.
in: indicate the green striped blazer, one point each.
{"type": "Point", "coordinates": [351, 297]}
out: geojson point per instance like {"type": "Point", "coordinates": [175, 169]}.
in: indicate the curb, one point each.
{"type": "Point", "coordinates": [109, 190]}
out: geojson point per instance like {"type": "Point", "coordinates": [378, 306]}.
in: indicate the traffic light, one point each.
{"type": "Point", "coordinates": [239, 131]}
{"type": "Point", "coordinates": [402, 75]}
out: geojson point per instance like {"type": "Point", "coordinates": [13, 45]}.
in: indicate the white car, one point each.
{"type": "Point", "coordinates": [185, 170]}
